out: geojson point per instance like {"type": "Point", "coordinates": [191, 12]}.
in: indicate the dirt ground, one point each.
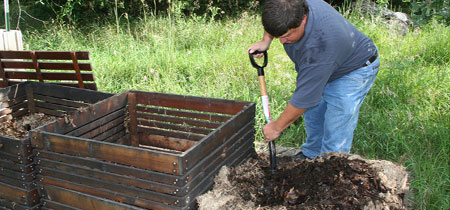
{"type": "Point", "coordinates": [18, 128]}
{"type": "Point", "coordinates": [337, 181]}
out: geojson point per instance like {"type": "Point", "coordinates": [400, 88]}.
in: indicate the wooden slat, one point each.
{"type": "Point", "coordinates": [190, 102]}
{"type": "Point", "coordinates": [49, 55]}
{"type": "Point", "coordinates": [8, 205]}
{"type": "Point", "coordinates": [18, 195]}
{"type": "Point", "coordinates": [50, 112]}
{"type": "Point", "coordinates": [18, 183]}
{"type": "Point", "coordinates": [121, 154]}
{"type": "Point", "coordinates": [55, 107]}
{"type": "Point", "coordinates": [17, 167]}
{"type": "Point", "coordinates": [3, 75]}
{"type": "Point", "coordinates": [180, 135]}
{"type": "Point", "coordinates": [85, 116]}
{"type": "Point", "coordinates": [12, 93]}
{"type": "Point", "coordinates": [77, 199]}
{"type": "Point", "coordinates": [48, 204]}
{"type": "Point", "coordinates": [13, 109]}
{"type": "Point", "coordinates": [195, 115]}
{"type": "Point", "coordinates": [49, 76]}
{"type": "Point", "coordinates": [17, 175]}
{"type": "Point", "coordinates": [69, 93]}
{"type": "Point", "coordinates": [106, 176]}
{"type": "Point", "coordinates": [80, 130]}
{"type": "Point", "coordinates": [77, 69]}
{"type": "Point", "coordinates": [56, 66]}
{"type": "Point", "coordinates": [176, 120]}
{"type": "Point", "coordinates": [120, 193]}
{"type": "Point", "coordinates": [16, 158]}
{"type": "Point", "coordinates": [167, 126]}
{"type": "Point", "coordinates": [110, 167]}
{"type": "Point", "coordinates": [166, 142]}
{"type": "Point", "coordinates": [213, 140]}
{"type": "Point", "coordinates": [134, 141]}
{"type": "Point", "coordinates": [88, 86]}
{"type": "Point", "coordinates": [16, 147]}
{"type": "Point", "coordinates": [61, 101]}
{"type": "Point", "coordinates": [36, 66]}
{"type": "Point", "coordinates": [116, 137]}
{"type": "Point", "coordinates": [110, 132]}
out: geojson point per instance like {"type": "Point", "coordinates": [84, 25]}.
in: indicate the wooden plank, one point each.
{"type": "Point", "coordinates": [16, 147]}
{"type": "Point", "coordinates": [18, 183]}
{"type": "Point", "coordinates": [105, 176]}
{"type": "Point", "coordinates": [87, 115]}
{"type": "Point", "coordinates": [66, 180]}
{"type": "Point", "coordinates": [218, 161]}
{"type": "Point", "coordinates": [17, 167]}
{"type": "Point", "coordinates": [18, 175]}
{"type": "Point", "coordinates": [110, 167]}
{"type": "Point", "coordinates": [107, 133]}
{"type": "Point", "coordinates": [50, 112]}
{"type": "Point", "coordinates": [166, 142]}
{"type": "Point", "coordinates": [13, 108]}
{"type": "Point", "coordinates": [190, 102]}
{"type": "Point", "coordinates": [77, 199]}
{"type": "Point", "coordinates": [60, 101]}
{"type": "Point", "coordinates": [116, 137]}
{"type": "Point", "coordinates": [16, 158]}
{"type": "Point", "coordinates": [88, 86]}
{"type": "Point", "coordinates": [17, 195]}
{"type": "Point", "coordinates": [217, 137]}
{"type": "Point", "coordinates": [96, 123]}
{"type": "Point", "coordinates": [48, 204]}
{"type": "Point", "coordinates": [48, 75]}
{"type": "Point", "coordinates": [77, 69]}
{"type": "Point", "coordinates": [134, 141]}
{"type": "Point", "coordinates": [179, 113]}
{"type": "Point", "coordinates": [14, 115]}
{"type": "Point", "coordinates": [121, 154]}
{"type": "Point", "coordinates": [55, 107]}
{"type": "Point", "coordinates": [112, 195]}
{"type": "Point", "coordinates": [8, 205]}
{"type": "Point", "coordinates": [75, 94]}
{"type": "Point", "coordinates": [3, 75]}
{"type": "Point", "coordinates": [12, 93]}
{"type": "Point", "coordinates": [168, 133]}
{"type": "Point", "coordinates": [47, 55]}
{"type": "Point", "coordinates": [176, 120]}
{"type": "Point", "coordinates": [168, 126]}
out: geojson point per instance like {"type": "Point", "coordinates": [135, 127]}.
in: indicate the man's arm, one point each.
{"type": "Point", "coordinates": [274, 128]}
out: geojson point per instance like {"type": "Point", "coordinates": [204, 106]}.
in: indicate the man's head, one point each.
{"type": "Point", "coordinates": [281, 16]}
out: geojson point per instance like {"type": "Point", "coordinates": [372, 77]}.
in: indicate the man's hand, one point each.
{"type": "Point", "coordinates": [261, 46]}
{"type": "Point", "coordinates": [270, 131]}
{"type": "Point", "coordinates": [273, 129]}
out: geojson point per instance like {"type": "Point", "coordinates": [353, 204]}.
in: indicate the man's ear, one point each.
{"type": "Point", "coordinates": [305, 19]}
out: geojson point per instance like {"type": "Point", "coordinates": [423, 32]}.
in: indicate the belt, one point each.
{"type": "Point", "coordinates": [371, 59]}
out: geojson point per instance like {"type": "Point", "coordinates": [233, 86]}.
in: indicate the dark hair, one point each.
{"type": "Point", "coordinates": [279, 16]}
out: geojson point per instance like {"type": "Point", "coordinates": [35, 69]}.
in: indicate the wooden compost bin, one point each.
{"type": "Point", "coordinates": [141, 150]}
{"type": "Point", "coordinates": [17, 169]}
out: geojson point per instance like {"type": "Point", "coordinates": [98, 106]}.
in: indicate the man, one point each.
{"type": "Point", "coordinates": [336, 66]}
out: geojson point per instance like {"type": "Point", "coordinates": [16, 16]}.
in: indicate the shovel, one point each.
{"type": "Point", "coordinates": [265, 103]}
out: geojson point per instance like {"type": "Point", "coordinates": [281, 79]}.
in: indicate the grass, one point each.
{"type": "Point", "coordinates": [405, 118]}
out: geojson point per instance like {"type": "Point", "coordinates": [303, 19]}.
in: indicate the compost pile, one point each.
{"type": "Point", "coordinates": [336, 181]}
{"type": "Point", "coordinates": [19, 128]}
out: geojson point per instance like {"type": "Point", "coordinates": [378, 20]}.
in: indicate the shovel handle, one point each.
{"type": "Point", "coordinates": [252, 60]}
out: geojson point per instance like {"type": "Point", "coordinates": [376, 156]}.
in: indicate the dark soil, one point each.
{"type": "Point", "coordinates": [333, 182]}
{"type": "Point", "coordinates": [18, 128]}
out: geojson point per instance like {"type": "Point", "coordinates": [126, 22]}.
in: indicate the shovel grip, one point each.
{"type": "Point", "coordinates": [252, 60]}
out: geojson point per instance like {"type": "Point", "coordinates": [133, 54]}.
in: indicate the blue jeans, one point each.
{"type": "Point", "coordinates": [330, 125]}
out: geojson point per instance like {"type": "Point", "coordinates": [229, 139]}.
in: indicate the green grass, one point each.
{"type": "Point", "coordinates": [405, 118]}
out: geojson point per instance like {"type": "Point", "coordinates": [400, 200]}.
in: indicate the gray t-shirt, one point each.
{"type": "Point", "coordinates": [330, 48]}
